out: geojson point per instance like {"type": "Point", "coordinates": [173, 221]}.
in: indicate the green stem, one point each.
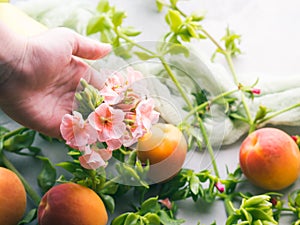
{"type": "Point", "coordinates": [109, 182]}
{"type": "Point", "coordinates": [234, 75]}
{"type": "Point", "coordinates": [183, 94]}
{"type": "Point", "coordinates": [30, 191]}
{"type": "Point", "coordinates": [175, 81]}
{"type": "Point", "coordinates": [213, 41]}
{"type": "Point", "coordinates": [124, 37]}
{"type": "Point", "coordinates": [14, 132]}
{"type": "Point", "coordinates": [245, 105]}
{"type": "Point", "coordinates": [279, 112]}
{"type": "Point", "coordinates": [208, 145]}
{"type": "Point", "coordinates": [207, 103]}
{"type": "Point", "coordinates": [229, 208]}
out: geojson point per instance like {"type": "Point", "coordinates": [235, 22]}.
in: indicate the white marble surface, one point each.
{"type": "Point", "coordinates": [270, 32]}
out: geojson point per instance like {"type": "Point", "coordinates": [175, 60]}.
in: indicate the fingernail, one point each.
{"type": "Point", "coordinates": [105, 49]}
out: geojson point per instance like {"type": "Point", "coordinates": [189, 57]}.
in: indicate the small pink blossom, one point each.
{"type": "Point", "coordinates": [145, 114]}
{"type": "Point", "coordinates": [76, 131]}
{"type": "Point", "coordinates": [256, 91]}
{"type": "Point", "coordinates": [129, 102]}
{"type": "Point", "coordinates": [113, 144]}
{"type": "Point", "coordinates": [94, 158]}
{"type": "Point", "coordinates": [133, 76]}
{"type": "Point", "coordinates": [110, 96]}
{"type": "Point", "coordinates": [114, 89]}
{"type": "Point", "coordinates": [166, 202]}
{"type": "Point", "coordinates": [108, 122]}
{"type": "Point", "coordinates": [220, 186]}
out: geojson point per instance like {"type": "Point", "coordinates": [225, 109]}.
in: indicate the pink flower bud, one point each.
{"type": "Point", "coordinates": [295, 138]}
{"type": "Point", "coordinates": [255, 91]}
{"type": "Point", "coordinates": [273, 201]}
{"type": "Point", "coordinates": [220, 186]}
{"type": "Point", "coordinates": [166, 202]}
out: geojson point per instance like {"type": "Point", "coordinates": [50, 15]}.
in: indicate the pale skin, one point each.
{"type": "Point", "coordinates": [39, 75]}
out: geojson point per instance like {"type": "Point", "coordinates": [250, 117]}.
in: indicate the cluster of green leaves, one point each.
{"type": "Point", "coordinates": [108, 186]}
{"type": "Point", "coordinates": [256, 210]}
{"type": "Point", "coordinates": [182, 27]}
{"type": "Point", "coordinates": [151, 212]}
{"type": "Point", "coordinates": [88, 99]}
{"type": "Point", "coordinates": [294, 205]}
{"type": "Point", "coordinates": [21, 142]}
{"type": "Point", "coordinates": [190, 184]}
{"type": "Point", "coordinates": [108, 23]}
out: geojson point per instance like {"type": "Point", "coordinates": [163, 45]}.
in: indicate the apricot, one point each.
{"type": "Point", "coordinates": [71, 204]}
{"type": "Point", "coordinates": [12, 198]}
{"type": "Point", "coordinates": [270, 159]}
{"type": "Point", "coordinates": [165, 147]}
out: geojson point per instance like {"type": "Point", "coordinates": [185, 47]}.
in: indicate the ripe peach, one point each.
{"type": "Point", "coordinates": [71, 204]}
{"type": "Point", "coordinates": [12, 198]}
{"type": "Point", "coordinates": [270, 159]}
{"type": "Point", "coordinates": [165, 147]}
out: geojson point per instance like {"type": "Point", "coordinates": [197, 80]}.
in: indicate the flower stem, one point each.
{"type": "Point", "coordinates": [207, 103]}
{"type": "Point", "coordinates": [183, 94]}
{"type": "Point", "coordinates": [14, 132]}
{"type": "Point", "coordinates": [30, 191]}
{"type": "Point", "coordinates": [280, 112]}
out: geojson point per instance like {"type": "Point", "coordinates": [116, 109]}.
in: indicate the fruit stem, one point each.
{"type": "Point", "coordinates": [30, 191]}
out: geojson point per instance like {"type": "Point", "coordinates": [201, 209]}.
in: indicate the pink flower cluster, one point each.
{"type": "Point", "coordinates": [125, 114]}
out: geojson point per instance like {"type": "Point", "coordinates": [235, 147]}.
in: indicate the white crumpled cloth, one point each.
{"type": "Point", "coordinates": [276, 93]}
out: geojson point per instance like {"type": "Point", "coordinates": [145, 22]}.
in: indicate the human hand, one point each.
{"type": "Point", "coordinates": [41, 80]}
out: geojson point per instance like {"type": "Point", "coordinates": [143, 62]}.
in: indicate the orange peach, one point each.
{"type": "Point", "coordinates": [165, 147]}
{"type": "Point", "coordinates": [12, 198]}
{"type": "Point", "coordinates": [270, 159]}
{"type": "Point", "coordinates": [70, 204]}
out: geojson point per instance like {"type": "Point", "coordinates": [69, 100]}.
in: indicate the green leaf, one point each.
{"type": "Point", "coordinates": [120, 219]}
{"type": "Point", "coordinates": [131, 219]}
{"type": "Point", "coordinates": [173, 18]}
{"type": "Point", "coordinates": [107, 36]}
{"type": "Point", "coordinates": [173, 3]}
{"type": "Point", "coordinates": [166, 219]}
{"type": "Point", "coordinates": [153, 218]}
{"type": "Point", "coordinates": [185, 35]}
{"type": "Point", "coordinates": [118, 17]}
{"type": "Point", "coordinates": [103, 6]}
{"type": "Point", "coordinates": [109, 202]}
{"type": "Point", "coordinates": [176, 49]}
{"type": "Point", "coordinates": [19, 141]}
{"type": "Point", "coordinates": [262, 215]}
{"type": "Point", "coordinates": [194, 184]}
{"type": "Point", "coordinates": [69, 166]}
{"type": "Point", "coordinates": [160, 5]}
{"type": "Point", "coordinates": [130, 31]}
{"type": "Point", "coordinates": [144, 56]}
{"type": "Point", "coordinates": [30, 216]}
{"type": "Point", "coordinates": [232, 219]}
{"type": "Point", "coordinates": [95, 25]}
{"type": "Point", "coordinates": [47, 177]}
{"type": "Point", "coordinates": [110, 189]}
{"type": "Point", "coordinates": [150, 205]}
{"type": "Point", "coordinates": [261, 113]}
{"type": "Point", "coordinates": [192, 31]}
{"type": "Point", "coordinates": [197, 16]}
